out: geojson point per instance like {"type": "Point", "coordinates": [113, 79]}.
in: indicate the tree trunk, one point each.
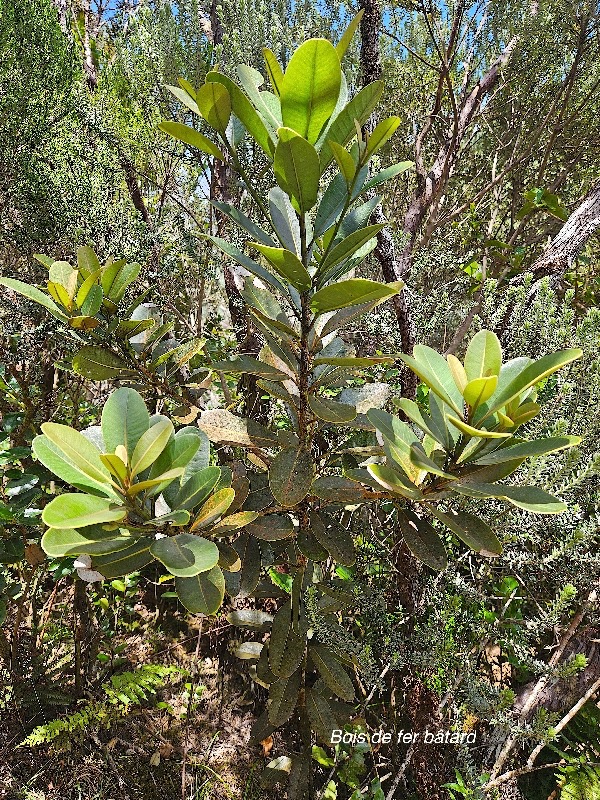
{"type": "Point", "coordinates": [572, 237]}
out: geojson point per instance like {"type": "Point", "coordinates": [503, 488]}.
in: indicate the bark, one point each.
{"type": "Point", "coordinates": [134, 189]}
{"type": "Point", "coordinates": [572, 237]}
{"type": "Point", "coordinates": [385, 252]}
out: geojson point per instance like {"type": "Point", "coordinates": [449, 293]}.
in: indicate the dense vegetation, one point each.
{"type": "Point", "coordinates": [299, 400]}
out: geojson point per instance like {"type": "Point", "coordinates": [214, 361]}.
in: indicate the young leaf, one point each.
{"type": "Point", "coordinates": [353, 292]}
{"type": "Point", "coordinates": [483, 356]}
{"type": "Point", "coordinates": [470, 430]}
{"type": "Point", "coordinates": [213, 508]}
{"type": "Point", "coordinates": [384, 130]}
{"type": "Point", "coordinates": [184, 97]}
{"type": "Point", "coordinates": [291, 475]}
{"type": "Point", "coordinates": [197, 488]}
{"type": "Point", "coordinates": [529, 498]}
{"type": "Point", "coordinates": [344, 161]}
{"type": "Point", "coordinates": [32, 293]}
{"type": "Point", "coordinates": [60, 463]}
{"type": "Point", "coordinates": [202, 594]}
{"type": "Point", "coordinates": [245, 112]}
{"type": "Point", "coordinates": [531, 375]}
{"type": "Point", "coordinates": [297, 170]}
{"type": "Point", "coordinates": [538, 447]}
{"type": "Point", "coordinates": [78, 450]}
{"type": "Point", "coordinates": [150, 445]}
{"type": "Point", "coordinates": [478, 390]}
{"type": "Point", "coordinates": [215, 105]}
{"type": "Point", "coordinates": [391, 480]}
{"type": "Point", "coordinates": [387, 174]}
{"type": "Point", "coordinates": [274, 70]}
{"type": "Point", "coordinates": [310, 88]}
{"type": "Point", "coordinates": [185, 555]}
{"type": "Point", "coordinates": [343, 127]}
{"type": "Point", "coordinates": [124, 419]}
{"type": "Point", "coordinates": [192, 137]}
{"type": "Point", "coordinates": [348, 34]}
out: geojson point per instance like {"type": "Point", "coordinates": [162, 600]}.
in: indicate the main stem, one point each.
{"type": "Point", "coordinates": [305, 325]}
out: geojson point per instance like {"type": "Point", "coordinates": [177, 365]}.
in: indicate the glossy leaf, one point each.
{"type": "Point", "coordinates": [58, 462]}
{"type": "Point", "coordinates": [470, 430]}
{"type": "Point", "coordinates": [343, 127]}
{"type": "Point", "coordinates": [297, 169]}
{"type": "Point", "coordinates": [347, 247]}
{"type": "Point", "coordinates": [34, 294]}
{"type": "Point", "coordinates": [122, 562]}
{"type": "Point", "coordinates": [384, 130]}
{"type": "Point", "coordinates": [213, 508]}
{"type": "Point", "coordinates": [185, 555]}
{"type": "Point", "coordinates": [274, 70]}
{"type": "Point", "coordinates": [78, 449]}
{"type": "Point", "coordinates": [344, 43]}
{"type": "Point", "coordinates": [124, 419]}
{"type": "Point", "coordinates": [287, 264]}
{"type": "Point", "coordinates": [353, 292]}
{"type": "Point", "coordinates": [60, 542]}
{"type": "Point", "coordinates": [479, 390]}
{"type": "Point", "coordinates": [538, 447]}
{"type": "Point", "coordinates": [472, 530]}
{"type": "Point", "coordinates": [197, 488]}
{"type": "Point", "coordinates": [344, 161]}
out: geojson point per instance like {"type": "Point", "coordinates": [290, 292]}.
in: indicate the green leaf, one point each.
{"type": "Point", "coordinates": [330, 410]}
{"type": "Point", "coordinates": [150, 445]}
{"type": "Point", "coordinates": [78, 449]}
{"type": "Point", "coordinates": [117, 276]}
{"type": "Point", "coordinates": [272, 528]}
{"type": "Point", "coordinates": [93, 302]}
{"type": "Point", "coordinates": [470, 430]}
{"type": "Point", "coordinates": [336, 539]}
{"type": "Point", "coordinates": [291, 475]}
{"type": "Point", "coordinates": [184, 97]}
{"type": "Point", "coordinates": [419, 458]}
{"type": "Point", "coordinates": [343, 44]}
{"type": "Point", "coordinates": [80, 511]}
{"type": "Point", "coordinates": [343, 127]}
{"type": "Point", "coordinates": [353, 292]}
{"type": "Point", "coordinates": [87, 260]}
{"type": "Point", "coordinates": [347, 247]}
{"type": "Point", "coordinates": [243, 221]}
{"type": "Point", "coordinates": [56, 460]}
{"type": "Point", "coordinates": [192, 137]}
{"type": "Point", "coordinates": [472, 530]}
{"type": "Point", "coordinates": [224, 427]}
{"type": "Point", "coordinates": [11, 550]}
{"type": "Point", "coordinates": [214, 508]}
{"type": "Point", "coordinates": [310, 88]}
{"type": "Point", "coordinates": [531, 375]}
{"type": "Point", "coordinates": [332, 672]}
{"type": "Point", "coordinates": [34, 294]}
{"type": "Point", "coordinates": [245, 112]}
{"type": "Point", "coordinates": [285, 220]}
{"type": "Point", "coordinates": [288, 642]}
{"type": "Point", "coordinates": [248, 263]}
{"type": "Point", "coordinates": [286, 263]}
{"type": "Point", "coordinates": [197, 488]}
{"type": "Point", "coordinates": [483, 356]}
{"type": "Point", "coordinates": [386, 174]}
{"type": "Point", "coordinates": [99, 364]}
{"type": "Point", "coordinates": [251, 366]}
{"type": "Point", "coordinates": [64, 275]}
{"type": "Point", "coordinates": [283, 696]}
{"type": "Point", "coordinates": [434, 370]}
{"type": "Point", "coordinates": [529, 498]}
{"type": "Point", "coordinates": [274, 70]}
{"type": "Point", "coordinates": [202, 594]}
{"type": "Point", "coordinates": [185, 555]}
{"type": "Point", "coordinates": [93, 540]}
{"type": "Point", "coordinates": [422, 540]}
{"type": "Point", "coordinates": [538, 447]}
{"type": "Point", "coordinates": [297, 169]}
{"type": "Point", "coordinates": [214, 103]}
{"type": "Point", "coordinates": [344, 161]}
{"type": "Point", "coordinates": [321, 715]}
{"type": "Point", "coordinates": [384, 130]}
{"type": "Point", "coordinates": [478, 390]}
{"type": "Point", "coordinates": [130, 559]}
{"type": "Point", "coordinates": [124, 419]}
{"type": "Point", "coordinates": [354, 363]}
